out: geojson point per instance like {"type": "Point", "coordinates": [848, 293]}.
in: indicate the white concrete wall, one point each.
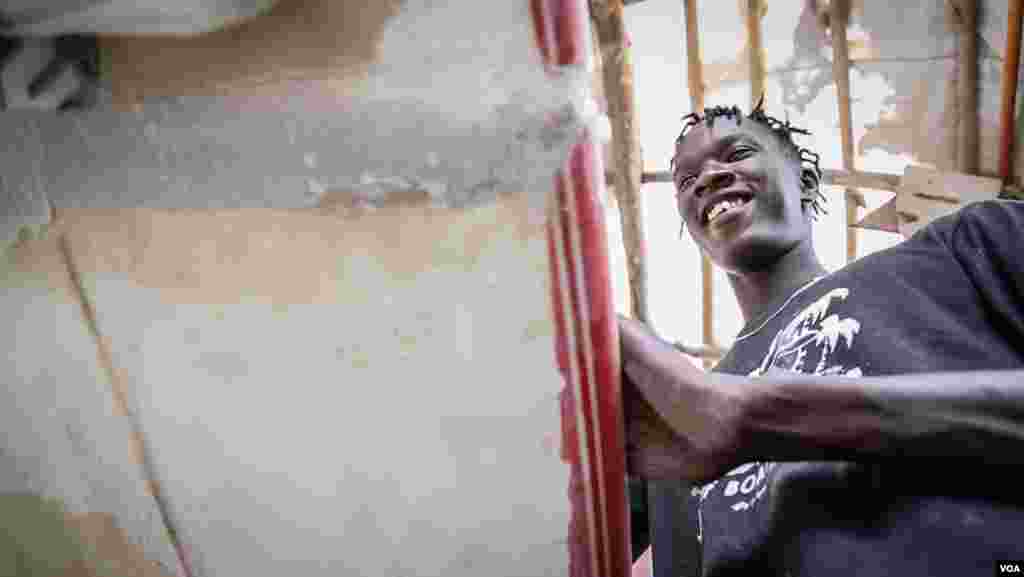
{"type": "Point", "coordinates": [337, 395]}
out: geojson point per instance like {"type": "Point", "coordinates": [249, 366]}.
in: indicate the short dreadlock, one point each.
{"type": "Point", "coordinates": [783, 133]}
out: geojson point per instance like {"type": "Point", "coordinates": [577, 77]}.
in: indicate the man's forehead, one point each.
{"type": "Point", "coordinates": [702, 139]}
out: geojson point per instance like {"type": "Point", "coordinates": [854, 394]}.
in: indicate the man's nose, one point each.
{"type": "Point", "coordinates": [714, 179]}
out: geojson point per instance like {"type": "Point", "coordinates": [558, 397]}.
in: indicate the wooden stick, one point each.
{"type": "Point", "coordinates": [695, 83]}
{"type": "Point", "coordinates": [967, 83]}
{"type": "Point", "coordinates": [756, 50]}
{"type": "Point", "coordinates": [617, 71]}
{"type": "Point", "coordinates": [695, 67]}
{"type": "Point", "coordinates": [839, 10]}
{"type": "Point", "coordinates": [1011, 61]}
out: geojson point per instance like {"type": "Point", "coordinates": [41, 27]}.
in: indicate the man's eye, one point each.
{"type": "Point", "coordinates": [739, 153]}
{"type": "Point", "coordinates": [686, 181]}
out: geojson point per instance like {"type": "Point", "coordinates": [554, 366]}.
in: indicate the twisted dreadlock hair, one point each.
{"type": "Point", "coordinates": [810, 174]}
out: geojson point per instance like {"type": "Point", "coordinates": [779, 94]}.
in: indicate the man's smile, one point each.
{"type": "Point", "coordinates": [725, 204]}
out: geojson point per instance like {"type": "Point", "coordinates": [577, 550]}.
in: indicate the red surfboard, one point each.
{"type": "Point", "coordinates": [587, 345]}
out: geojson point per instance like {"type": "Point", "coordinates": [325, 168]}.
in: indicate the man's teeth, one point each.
{"type": "Point", "coordinates": [721, 207]}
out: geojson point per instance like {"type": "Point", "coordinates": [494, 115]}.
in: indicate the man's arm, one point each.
{"type": "Point", "coordinates": [684, 423]}
{"type": "Point", "coordinates": [967, 415]}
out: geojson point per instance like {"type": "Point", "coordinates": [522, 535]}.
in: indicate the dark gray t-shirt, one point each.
{"type": "Point", "coordinates": [951, 298]}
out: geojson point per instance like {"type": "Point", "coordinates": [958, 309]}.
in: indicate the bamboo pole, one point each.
{"type": "Point", "coordinates": [617, 70]}
{"type": "Point", "coordinates": [839, 10]}
{"type": "Point", "coordinates": [1011, 61]}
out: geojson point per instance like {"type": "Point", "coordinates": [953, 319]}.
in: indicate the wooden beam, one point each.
{"type": "Point", "coordinates": [839, 11]}
{"type": "Point", "coordinates": [617, 71]}
{"type": "Point", "coordinates": [861, 179]}
{"type": "Point", "coordinates": [755, 9]}
{"type": "Point", "coordinates": [967, 85]}
{"type": "Point", "coordinates": [853, 179]}
{"type": "Point", "coordinates": [1011, 62]}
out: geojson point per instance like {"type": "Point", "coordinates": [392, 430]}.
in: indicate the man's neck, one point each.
{"type": "Point", "coordinates": [755, 291]}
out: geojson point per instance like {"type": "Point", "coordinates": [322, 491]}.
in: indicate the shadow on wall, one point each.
{"type": "Point", "coordinates": [39, 538]}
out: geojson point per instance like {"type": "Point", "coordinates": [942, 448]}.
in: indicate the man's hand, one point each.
{"type": "Point", "coordinates": [681, 423]}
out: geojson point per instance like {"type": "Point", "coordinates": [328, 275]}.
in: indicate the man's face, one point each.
{"type": "Point", "coordinates": [739, 194]}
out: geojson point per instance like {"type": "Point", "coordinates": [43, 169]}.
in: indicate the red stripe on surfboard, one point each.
{"type": "Point", "coordinates": [561, 347]}
{"type": "Point", "coordinates": [583, 389]}
{"type": "Point", "coordinates": [579, 557]}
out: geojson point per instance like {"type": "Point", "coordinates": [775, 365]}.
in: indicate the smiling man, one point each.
{"type": "Point", "coordinates": [867, 421]}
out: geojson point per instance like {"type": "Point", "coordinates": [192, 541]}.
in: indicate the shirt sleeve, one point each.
{"type": "Point", "coordinates": [988, 242]}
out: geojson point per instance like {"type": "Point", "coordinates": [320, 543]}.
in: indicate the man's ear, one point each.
{"type": "Point", "coordinates": [810, 184]}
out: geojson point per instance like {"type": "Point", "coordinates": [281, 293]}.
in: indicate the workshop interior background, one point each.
{"type": "Point", "coordinates": [299, 247]}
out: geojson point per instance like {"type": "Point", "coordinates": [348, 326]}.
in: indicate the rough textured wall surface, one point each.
{"type": "Point", "coordinates": [340, 392]}
{"type": "Point", "coordinates": [331, 317]}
